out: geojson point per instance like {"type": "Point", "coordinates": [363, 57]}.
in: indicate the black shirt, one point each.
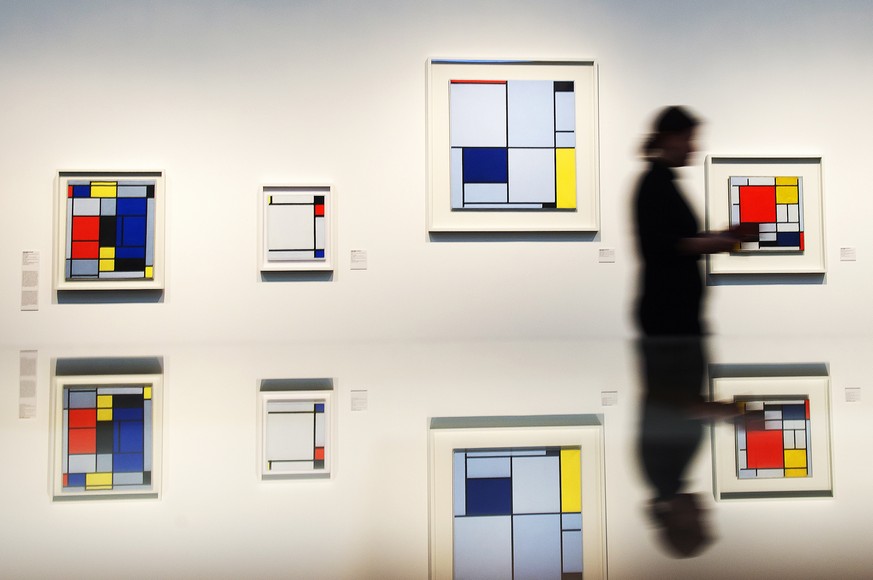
{"type": "Point", "coordinates": [672, 289]}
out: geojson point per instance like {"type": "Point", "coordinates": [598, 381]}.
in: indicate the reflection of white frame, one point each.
{"type": "Point", "coordinates": [329, 431]}
{"type": "Point", "coordinates": [719, 169]}
{"type": "Point", "coordinates": [448, 434]}
{"type": "Point", "coordinates": [329, 222]}
{"type": "Point", "coordinates": [441, 217]}
{"type": "Point", "coordinates": [731, 383]}
{"type": "Point", "coordinates": [152, 490]}
{"type": "Point", "coordinates": [60, 212]}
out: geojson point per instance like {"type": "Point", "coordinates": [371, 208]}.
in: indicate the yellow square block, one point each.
{"type": "Point", "coordinates": [795, 458]}
{"type": "Point", "coordinates": [104, 189]}
{"type": "Point", "coordinates": [104, 414]}
{"type": "Point", "coordinates": [107, 265]}
{"type": "Point", "coordinates": [149, 272]}
{"type": "Point", "coordinates": [104, 401]}
{"type": "Point", "coordinates": [147, 393]}
{"type": "Point", "coordinates": [786, 194]}
{"type": "Point", "coordinates": [98, 481]}
{"type": "Point", "coordinates": [796, 473]}
{"type": "Point", "coordinates": [107, 253]}
{"type": "Point", "coordinates": [786, 181]}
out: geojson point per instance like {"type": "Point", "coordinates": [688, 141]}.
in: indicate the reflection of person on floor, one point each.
{"type": "Point", "coordinates": [668, 312]}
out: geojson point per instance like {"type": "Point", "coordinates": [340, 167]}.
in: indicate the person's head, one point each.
{"type": "Point", "coordinates": [672, 139]}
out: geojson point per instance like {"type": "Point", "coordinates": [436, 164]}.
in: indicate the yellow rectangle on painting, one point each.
{"type": "Point", "coordinates": [786, 194]}
{"type": "Point", "coordinates": [107, 265]}
{"type": "Point", "coordinates": [571, 480]}
{"type": "Point", "coordinates": [104, 401]}
{"type": "Point", "coordinates": [104, 189]}
{"type": "Point", "coordinates": [104, 414]}
{"type": "Point", "coordinates": [149, 272]}
{"type": "Point", "coordinates": [98, 481]}
{"type": "Point", "coordinates": [796, 473]}
{"type": "Point", "coordinates": [795, 458]}
{"type": "Point", "coordinates": [565, 178]}
{"type": "Point", "coordinates": [147, 393]}
{"type": "Point", "coordinates": [107, 253]}
{"type": "Point", "coordinates": [786, 181]}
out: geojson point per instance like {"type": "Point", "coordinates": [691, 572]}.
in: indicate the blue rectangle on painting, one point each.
{"type": "Point", "coordinates": [76, 480]}
{"type": "Point", "coordinates": [788, 239]}
{"type": "Point", "coordinates": [127, 414]}
{"type": "Point", "coordinates": [81, 191]}
{"type": "Point", "coordinates": [128, 462]}
{"type": "Point", "coordinates": [485, 164]}
{"type": "Point", "coordinates": [129, 437]}
{"type": "Point", "coordinates": [133, 231]}
{"type": "Point", "coordinates": [489, 497]}
{"type": "Point", "coordinates": [133, 252]}
{"type": "Point", "coordinates": [130, 206]}
{"type": "Point", "coordinates": [794, 412]}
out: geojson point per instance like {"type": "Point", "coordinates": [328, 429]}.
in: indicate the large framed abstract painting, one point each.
{"type": "Point", "coordinates": [107, 433]}
{"type": "Point", "coordinates": [779, 445]}
{"type": "Point", "coordinates": [109, 230]}
{"type": "Point", "coordinates": [513, 145]}
{"type": "Point", "coordinates": [297, 428]}
{"type": "Point", "coordinates": [517, 497]}
{"type": "Point", "coordinates": [297, 227]}
{"type": "Point", "coordinates": [780, 200]}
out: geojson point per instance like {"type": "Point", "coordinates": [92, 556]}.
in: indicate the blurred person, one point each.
{"type": "Point", "coordinates": [669, 315]}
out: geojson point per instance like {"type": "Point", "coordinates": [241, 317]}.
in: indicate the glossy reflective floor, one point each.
{"type": "Point", "coordinates": [217, 518]}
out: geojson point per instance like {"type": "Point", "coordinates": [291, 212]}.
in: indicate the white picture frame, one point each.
{"type": "Point", "coordinates": [448, 434]}
{"type": "Point", "coordinates": [106, 472]}
{"type": "Point", "coordinates": [811, 260]}
{"type": "Point", "coordinates": [441, 217]}
{"type": "Point", "coordinates": [285, 247]}
{"type": "Point", "coordinates": [88, 254]}
{"type": "Point", "coordinates": [776, 383]}
{"type": "Point", "coordinates": [297, 429]}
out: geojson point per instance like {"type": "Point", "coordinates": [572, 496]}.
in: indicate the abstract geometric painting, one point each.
{"type": "Point", "coordinates": [110, 230]}
{"type": "Point", "coordinates": [107, 437]}
{"type": "Point", "coordinates": [507, 496]}
{"type": "Point", "coordinates": [518, 513]}
{"type": "Point", "coordinates": [513, 144]}
{"type": "Point", "coordinates": [296, 228]}
{"type": "Point", "coordinates": [780, 443]}
{"type": "Point", "coordinates": [296, 431]}
{"type": "Point", "coordinates": [107, 420]}
{"type": "Point", "coordinates": [775, 206]}
{"type": "Point", "coordinates": [779, 203]}
{"type": "Point", "coordinates": [773, 439]}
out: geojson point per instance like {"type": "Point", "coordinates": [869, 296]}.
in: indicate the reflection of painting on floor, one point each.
{"type": "Point", "coordinates": [295, 436]}
{"type": "Point", "coordinates": [775, 205]}
{"type": "Point", "coordinates": [773, 439]}
{"type": "Point", "coordinates": [513, 144]}
{"type": "Point", "coordinates": [107, 438]}
{"type": "Point", "coordinates": [517, 513]}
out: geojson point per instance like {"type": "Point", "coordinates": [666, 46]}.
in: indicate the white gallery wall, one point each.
{"type": "Point", "coordinates": [226, 96]}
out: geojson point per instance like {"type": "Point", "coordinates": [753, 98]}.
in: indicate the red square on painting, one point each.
{"type": "Point", "coordinates": [319, 453]}
{"type": "Point", "coordinates": [764, 449]}
{"type": "Point", "coordinates": [82, 418]}
{"type": "Point", "coordinates": [82, 441]}
{"type": "Point", "coordinates": [85, 250]}
{"type": "Point", "coordinates": [757, 203]}
{"type": "Point", "coordinates": [86, 227]}
{"type": "Point", "coordinates": [319, 209]}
